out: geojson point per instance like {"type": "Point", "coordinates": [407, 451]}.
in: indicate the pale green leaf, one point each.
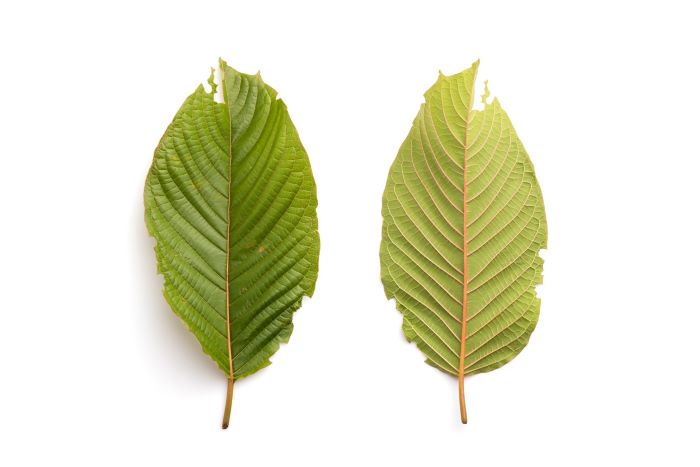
{"type": "Point", "coordinates": [456, 157]}
{"type": "Point", "coordinates": [231, 201]}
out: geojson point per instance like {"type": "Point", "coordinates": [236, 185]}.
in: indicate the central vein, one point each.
{"type": "Point", "coordinates": [463, 341]}
{"type": "Point", "coordinates": [229, 391]}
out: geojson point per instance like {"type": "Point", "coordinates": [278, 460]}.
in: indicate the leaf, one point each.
{"type": "Point", "coordinates": [463, 225]}
{"type": "Point", "coordinates": [231, 201]}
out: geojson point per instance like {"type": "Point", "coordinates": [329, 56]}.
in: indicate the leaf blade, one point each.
{"type": "Point", "coordinates": [231, 202]}
{"type": "Point", "coordinates": [463, 225]}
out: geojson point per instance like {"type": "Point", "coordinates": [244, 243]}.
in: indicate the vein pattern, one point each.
{"type": "Point", "coordinates": [231, 201]}
{"type": "Point", "coordinates": [427, 235]}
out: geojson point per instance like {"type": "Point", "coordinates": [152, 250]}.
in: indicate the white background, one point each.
{"type": "Point", "coordinates": [96, 370]}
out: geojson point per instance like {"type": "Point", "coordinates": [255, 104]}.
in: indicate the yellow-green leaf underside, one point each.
{"type": "Point", "coordinates": [452, 146]}
{"type": "Point", "coordinates": [231, 201]}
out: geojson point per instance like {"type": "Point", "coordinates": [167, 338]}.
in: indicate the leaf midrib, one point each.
{"type": "Point", "coordinates": [228, 228]}
{"type": "Point", "coordinates": [465, 253]}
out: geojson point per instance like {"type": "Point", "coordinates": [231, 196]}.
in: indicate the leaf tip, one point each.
{"type": "Point", "coordinates": [259, 78]}
{"type": "Point", "coordinates": [475, 66]}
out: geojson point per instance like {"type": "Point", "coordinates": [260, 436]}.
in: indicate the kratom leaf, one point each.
{"type": "Point", "coordinates": [231, 202]}
{"type": "Point", "coordinates": [463, 225]}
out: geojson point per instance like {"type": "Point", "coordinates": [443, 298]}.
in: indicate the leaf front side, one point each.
{"type": "Point", "coordinates": [231, 201]}
{"type": "Point", "coordinates": [463, 225]}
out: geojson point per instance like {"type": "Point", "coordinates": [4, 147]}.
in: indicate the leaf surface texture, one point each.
{"type": "Point", "coordinates": [452, 146]}
{"type": "Point", "coordinates": [231, 201]}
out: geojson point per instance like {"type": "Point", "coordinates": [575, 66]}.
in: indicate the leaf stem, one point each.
{"type": "Point", "coordinates": [229, 399]}
{"type": "Point", "coordinates": [462, 404]}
